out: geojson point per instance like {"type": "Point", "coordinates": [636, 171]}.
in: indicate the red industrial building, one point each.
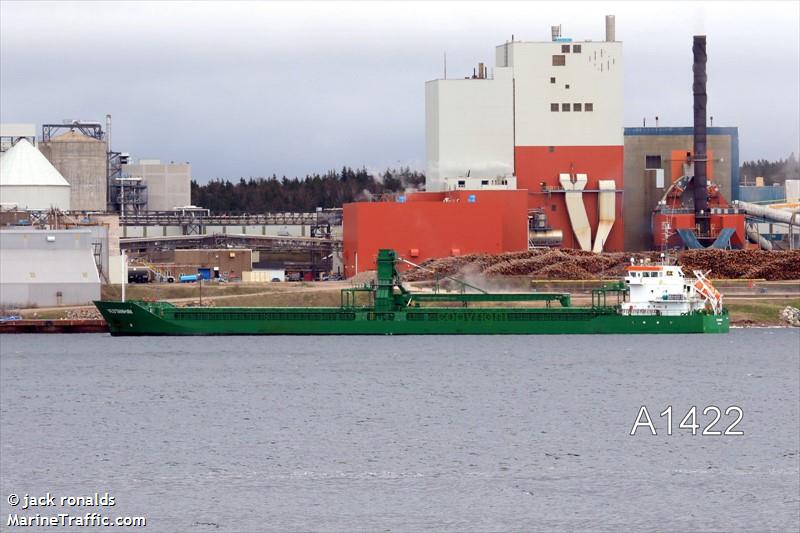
{"type": "Point", "coordinates": [539, 170]}
{"type": "Point", "coordinates": [538, 145]}
{"type": "Point", "coordinates": [425, 225]}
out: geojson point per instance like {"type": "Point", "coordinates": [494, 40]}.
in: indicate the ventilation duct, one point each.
{"type": "Point", "coordinates": [576, 209]}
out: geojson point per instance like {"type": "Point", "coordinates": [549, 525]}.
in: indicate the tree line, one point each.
{"type": "Point", "coordinates": [273, 194]}
{"type": "Point", "coordinates": [773, 172]}
{"type": "Point", "coordinates": [335, 188]}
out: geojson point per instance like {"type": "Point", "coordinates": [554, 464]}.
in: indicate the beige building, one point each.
{"type": "Point", "coordinates": [168, 185]}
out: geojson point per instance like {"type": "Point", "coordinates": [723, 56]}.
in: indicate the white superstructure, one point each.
{"type": "Point", "coordinates": [661, 289]}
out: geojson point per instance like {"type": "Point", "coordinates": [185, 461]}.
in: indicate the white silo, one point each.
{"type": "Point", "coordinates": [29, 181]}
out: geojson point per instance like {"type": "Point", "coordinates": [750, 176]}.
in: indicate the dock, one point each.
{"type": "Point", "coordinates": [54, 326]}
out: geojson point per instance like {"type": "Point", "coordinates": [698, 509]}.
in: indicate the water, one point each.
{"type": "Point", "coordinates": [405, 433]}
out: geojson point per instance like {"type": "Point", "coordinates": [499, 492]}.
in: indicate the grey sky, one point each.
{"type": "Point", "coordinates": [248, 89]}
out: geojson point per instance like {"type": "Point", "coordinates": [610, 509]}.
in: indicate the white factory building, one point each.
{"type": "Point", "coordinates": [548, 111]}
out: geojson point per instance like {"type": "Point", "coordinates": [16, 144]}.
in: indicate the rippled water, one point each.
{"type": "Point", "coordinates": [406, 433]}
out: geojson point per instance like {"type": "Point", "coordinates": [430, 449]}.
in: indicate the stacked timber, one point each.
{"type": "Point", "coordinates": [581, 265]}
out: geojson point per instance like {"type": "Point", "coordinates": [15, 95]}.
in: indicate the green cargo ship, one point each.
{"type": "Point", "coordinates": [386, 307]}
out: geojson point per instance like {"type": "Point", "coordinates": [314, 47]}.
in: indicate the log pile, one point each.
{"type": "Point", "coordinates": [580, 265]}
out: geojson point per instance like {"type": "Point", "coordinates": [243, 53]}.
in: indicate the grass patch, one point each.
{"type": "Point", "coordinates": [319, 298]}
{"type": "Point", "coordinates": [170, 291]}
{"type": "Point", "coordinates": [759, 311]}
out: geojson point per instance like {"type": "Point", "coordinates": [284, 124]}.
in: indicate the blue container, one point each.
{"type": "Point", "coordinates": [188, 278]}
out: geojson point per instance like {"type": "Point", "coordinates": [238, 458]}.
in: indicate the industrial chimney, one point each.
{"type": "Point", "coordinates": [108, 133]}
{"type": "Point", "coordinates": [555, 32]}
{"type": "Point", "coordinates": [610, 29]}
{"type": "Point", "coordinates": [700, 158]}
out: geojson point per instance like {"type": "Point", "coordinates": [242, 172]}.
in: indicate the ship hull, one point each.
{"type": "Point", "coordinates": [143, 318]}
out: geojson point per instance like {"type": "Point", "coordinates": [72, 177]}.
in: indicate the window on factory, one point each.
{"type": "Point", "coordinates": [565, 107]}
{"type": "Point", "coordinates": [554, 107]}
{"type": "Point", "coordinates": [566, 85]}
{"type": "Point", "coordinates": [484, 182]}
{"type": "Point", "coordinates": [588, 107]}
{"type": "Point", "coordinates": [553, 79]}
{"type": "Point", "coordinates": [576, 107]}
{"type": "Point", "coordinates": [564, 48]}
{"type": "Point", "coordinates": [553, 207]}
{"type": "Point", "coordinates": [576, 49]}
{"type": "Point", "coordinates": [559, 60]}
{"type": "Point", "coordinates": [652, 161]}
{"type": "Point", "coordinates": [462, 183]}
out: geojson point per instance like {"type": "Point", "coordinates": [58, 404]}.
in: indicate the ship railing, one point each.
{"type": "Point", "coordinates": [349, 297]}
{"type": "Point", "coordinates": [548, 297]}
{"type": "Point", "coordinates": [600, 297]}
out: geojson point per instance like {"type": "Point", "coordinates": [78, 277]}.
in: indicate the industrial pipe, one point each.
{"type": "Point", "coordinates": [605, 199]}
{"type": "Point", "coordinates": [553, 237]}
{"type": "Point", "coordinates": [775, 215]}
{"type": "Point", "coordinates": [576, 209]}
{"type": "Point", "coordinates": [754, 236]}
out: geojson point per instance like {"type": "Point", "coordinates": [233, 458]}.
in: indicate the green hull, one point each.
{"type": "Point", "coordinates": [155, 318]}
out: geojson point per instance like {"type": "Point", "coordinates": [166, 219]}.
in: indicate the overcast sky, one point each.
{"type": "Point", "coordinates": [251, 89]}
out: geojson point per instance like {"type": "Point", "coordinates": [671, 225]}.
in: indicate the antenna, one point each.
{"type": "Point", "coordinates": [445, 64]}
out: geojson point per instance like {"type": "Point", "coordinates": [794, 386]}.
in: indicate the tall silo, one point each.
{"type": "Point", "coordinates": [29, 181]}
{"type": "Point", "coordinates": [82, 161]}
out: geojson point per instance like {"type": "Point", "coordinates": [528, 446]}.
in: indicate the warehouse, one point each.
{"type": "Point", "coordinates": [40, 268]}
